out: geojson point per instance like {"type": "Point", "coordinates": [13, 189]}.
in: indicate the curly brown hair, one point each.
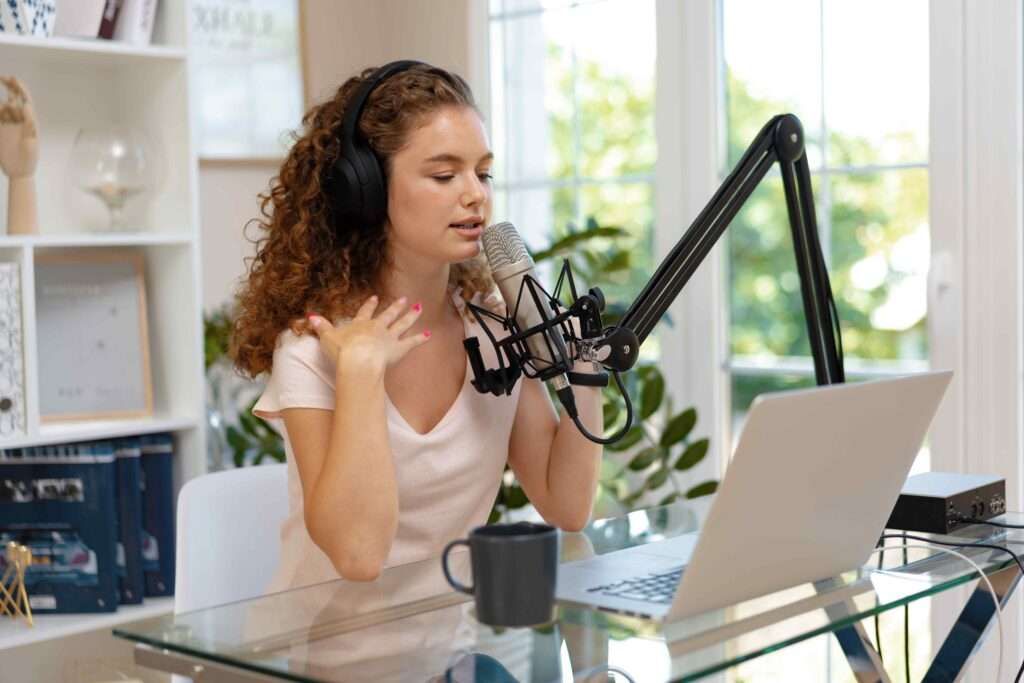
{"type": "Point", "coordinates": [305, 262]}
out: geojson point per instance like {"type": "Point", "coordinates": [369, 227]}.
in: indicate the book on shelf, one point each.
{"type": "Point", "coordinates": [80, 19]}
{"type": "Point", "coordinates": [111, 10]}
{"type": "Point", "coordinates": [59, 502]}
{"type": "Point", "coordinates": [135, 21]}
{"type": "Point", "coordinates": [128, 498]}
{"type": "Point", "coordinates": [158, 513]}
{"type": "Point", "coordinates": [98, 517]}
{"type": "Point", "coordinates": [12, 375]}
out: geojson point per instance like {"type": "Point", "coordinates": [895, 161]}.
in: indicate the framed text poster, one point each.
{"type": "Point", "coordinates": [247, 77]}
{"type": "Point", "coordinates": [92, 335]}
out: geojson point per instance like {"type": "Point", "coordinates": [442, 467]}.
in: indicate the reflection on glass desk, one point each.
{"type": "Point", "coordinates": [409, 625]}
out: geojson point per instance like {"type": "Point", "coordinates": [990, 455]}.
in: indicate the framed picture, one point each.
{"type": "Point", "coordinates": [92, 335]}
{"type": "Point", "coordinates": [247, 75]}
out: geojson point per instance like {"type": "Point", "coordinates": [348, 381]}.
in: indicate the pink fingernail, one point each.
{"type": "Point", "coordinates": [417, 307]}
{"type": "Point", "coordinates": [426, 333]}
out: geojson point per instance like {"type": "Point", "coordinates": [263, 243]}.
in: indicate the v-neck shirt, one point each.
{"type": "Point", "coordinates": [447, 478]}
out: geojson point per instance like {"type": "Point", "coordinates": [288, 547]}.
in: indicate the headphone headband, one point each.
{"type": "Point", "coordinates": [349, 127]}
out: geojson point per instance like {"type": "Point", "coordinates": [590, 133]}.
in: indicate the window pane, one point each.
{"type": "Point", "coordinates": [880, 253]}
{"type": "Point", "coordinates": [767, 317]}
{"type": "Point", "coordinates": [876, 97]}
{"type": "Point", "coordinates": [773, 62]}
{"type": "Point", "coordinates": [615, 87]}
{"type": "Point", "coordinates": [533, 72]}
{"type": "Point", "coordinates": [536, 213]}
{"type": "Point", "coordinates": [496, 119]}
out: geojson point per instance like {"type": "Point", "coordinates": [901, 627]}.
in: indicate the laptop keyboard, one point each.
{"type": "Point", "coordinates": [657, 588]}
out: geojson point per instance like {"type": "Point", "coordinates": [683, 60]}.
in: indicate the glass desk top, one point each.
{"type": "Point", "coordinates": [410, 624]}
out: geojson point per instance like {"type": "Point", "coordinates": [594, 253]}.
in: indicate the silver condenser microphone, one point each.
{"type": "Point", "coordinates": [510, 263]}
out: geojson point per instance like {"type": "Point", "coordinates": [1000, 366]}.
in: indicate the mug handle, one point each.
{"type": "Point", "coordinates": [447, 574]}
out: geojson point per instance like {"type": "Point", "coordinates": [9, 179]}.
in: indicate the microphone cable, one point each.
{"type": "Point", "coordinates": [568, 400]}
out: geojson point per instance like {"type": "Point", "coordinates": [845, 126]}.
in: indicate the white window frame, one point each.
{"type": "Point", "coordinates": [975, 292]}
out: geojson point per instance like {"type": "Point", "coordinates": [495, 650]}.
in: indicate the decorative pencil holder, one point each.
{"type": "Point", "coordinates": [13, 596]}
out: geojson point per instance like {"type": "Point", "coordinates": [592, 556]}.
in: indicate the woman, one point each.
{"type": "Point", "coordinates": [391, 452]}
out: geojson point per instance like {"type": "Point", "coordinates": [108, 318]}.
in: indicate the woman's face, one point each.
{"type": "Point", "coordinates": [440, 178]}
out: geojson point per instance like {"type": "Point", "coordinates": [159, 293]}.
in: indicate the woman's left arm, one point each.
{"type": "Point", "coordinates": [555, 464]}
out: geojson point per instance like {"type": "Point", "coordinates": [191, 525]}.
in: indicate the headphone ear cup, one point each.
{"type": "Point", "coordinates": [374, 189]}
{"type": "Point", "coordinates": [346, 195]}
{"type": "Point", "coordinates": [359, 191]}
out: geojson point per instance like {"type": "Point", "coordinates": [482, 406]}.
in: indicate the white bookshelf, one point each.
{"type": "Point", "coordinates": [77, 83]}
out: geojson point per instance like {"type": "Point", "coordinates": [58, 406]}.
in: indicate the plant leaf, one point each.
{"type": "Point", "coordinates": [644, 459]}
{"type": "Point", "coordinates": [670, 498]}
{"type": "Point", "coordinates": [651, 396]}
{"type": "Point", "coordinates": [622, 260]}
{"type": "Point", "coordinates": [567, 243]}
{"type": "Point", "coordinates": [703, 489]}
{"type": "Point", "coordinates": [515, 497]}
{"type": "Point", "coordinates": [679, 427]}
{"type": "Point", "coordinates": [693, 454]}
{"type": "Point", "coordinates": [631, 438]}
{"type": "Point", "coordinates": [236, 439]}
{"type": "Point", "coordinates": [611, 412]}
{"type": "Point", "coordinates": [248, 424]}
{"type": "Point", "coordinates": [632, 498]}
{"type": "Point", "coordinates": [657, 479]}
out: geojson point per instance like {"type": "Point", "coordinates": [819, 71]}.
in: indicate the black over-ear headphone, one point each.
{"type": "Point", "coordinates": [356, 185]}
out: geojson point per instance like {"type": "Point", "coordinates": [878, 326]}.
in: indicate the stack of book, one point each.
{"type": "Point", "coordinates": [129, 21]}
{"type": "Point", "coordinates": [98, 517]}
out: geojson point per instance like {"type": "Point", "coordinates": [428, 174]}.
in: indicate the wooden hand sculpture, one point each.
{"type": "Point", "coordinates": [19, 154]}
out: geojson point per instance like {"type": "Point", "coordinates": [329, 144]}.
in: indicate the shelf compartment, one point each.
{"type": "Point", "coordinates": [90, 430]}
{"type": "Point", "coordinates": [112, 239]}
{"type": "Point", "coordinates": [51, 626]}
{"type": "Point", "coordinates": [82, 51]}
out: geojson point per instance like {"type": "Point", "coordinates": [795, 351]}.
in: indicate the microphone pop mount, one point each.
{"type": "Point", "coordinates": [613, 348]}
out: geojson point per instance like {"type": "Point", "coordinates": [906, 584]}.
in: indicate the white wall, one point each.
{"type": "Point", "coordinates": [227, 200]}
{"type": "Point", "coordinates": [339, 38]}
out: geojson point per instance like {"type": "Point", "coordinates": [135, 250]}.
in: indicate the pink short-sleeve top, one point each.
{"type": "Point", "coordinates": [447, 478]}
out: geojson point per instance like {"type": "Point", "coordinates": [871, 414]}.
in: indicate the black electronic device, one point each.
{"type": "Point", "coordinates": [941, 502]}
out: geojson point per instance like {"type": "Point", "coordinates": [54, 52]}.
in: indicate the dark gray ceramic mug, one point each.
{"type": "Point", "coordinates": [514, 571]}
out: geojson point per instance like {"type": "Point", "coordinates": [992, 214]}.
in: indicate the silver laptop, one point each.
{"type": "Point", "coordinates": [813, 479]}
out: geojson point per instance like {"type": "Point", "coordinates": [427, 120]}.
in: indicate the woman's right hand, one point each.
{"type": "Point", "coordinates": [370, 343]}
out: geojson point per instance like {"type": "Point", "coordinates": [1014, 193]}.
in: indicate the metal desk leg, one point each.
{"type": "Point", "coordinates": [860, 653]}
{"type": "Point", "coordinates": [199, 670]}
{"type": "Point", "coordinates": [971, 627]}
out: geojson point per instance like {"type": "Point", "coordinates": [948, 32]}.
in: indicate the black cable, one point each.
{"type": "Point", "coordinates": [989, 546]}
{"type": "Point", "coordinates": [906, 629]}
{"type": "Point", "coordinates": [569, 403]}
{"type": "Point", "coordinates": [878, 634]}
